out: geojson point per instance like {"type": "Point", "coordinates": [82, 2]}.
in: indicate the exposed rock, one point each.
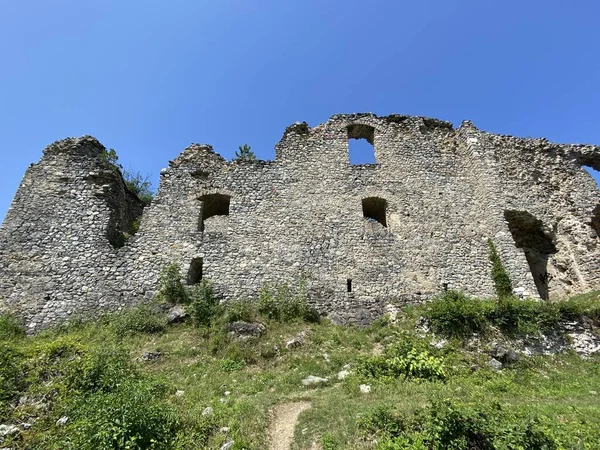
{"type": "Point", "coordinates": [7, 430]}
{"type": "Point", "coordinates": [504, 354]}
{"type": "Point", "coordinates": [364, 388]}
{"type": "Point", "coordinates": [150, 356]}
{"type": "Point", "coordinates": [227, 445]}
{"type": "Point", "coordinates": [439, 343]}
{"type": "Point", "coordinates": [495, 364]}
{"type": "Point", "coordinates": [176, 314]}
{"type": "Point", "coordinates": [296, 341]}
{"type": "Point", "coordinates": [311, 379]}
{"type": "Point", "coordinates": [208, 411]}
{"type": "Point", "coordinates": [179, 393]}
{"type": "Point", "coordinates": [245, 330]}
{"type": "Point", "coordinates": [62, 421]}
{"type": "Point", "coordinates": [342, 374]}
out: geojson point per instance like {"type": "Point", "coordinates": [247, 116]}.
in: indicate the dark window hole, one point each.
{"type": "Point", "coordinates": [194, 275]}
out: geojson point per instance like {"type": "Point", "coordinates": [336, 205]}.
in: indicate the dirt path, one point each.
{"type": "Point", "coordinates": [284, 421]}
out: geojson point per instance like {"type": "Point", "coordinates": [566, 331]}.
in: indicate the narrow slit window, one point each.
{"type": "Point", "coordinates": [348, 285]}
{"type": "Point", "coordinates": [374, 209]}
{"type": "Point", "coordinates": [361, 139]}
{"type": "Point", "coordinates": [194, 275]}
{"type": "Point", "coordinates": [213, 205]}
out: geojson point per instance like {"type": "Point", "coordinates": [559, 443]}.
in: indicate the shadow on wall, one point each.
{"type": "Point", "coordinates": [528, 234]}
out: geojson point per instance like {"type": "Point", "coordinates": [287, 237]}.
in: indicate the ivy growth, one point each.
{"type": "Point", "coordinates": [502, 282]}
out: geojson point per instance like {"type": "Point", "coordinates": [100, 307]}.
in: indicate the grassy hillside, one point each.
{"type": "Point", "coordinates": [131, 381]}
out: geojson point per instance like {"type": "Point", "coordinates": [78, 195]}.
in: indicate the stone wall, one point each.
{"type": "Point", "coordinates": [440, 193]}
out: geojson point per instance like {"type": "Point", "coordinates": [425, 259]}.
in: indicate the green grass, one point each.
{"type": "Point", "coordinates": [90, 371]}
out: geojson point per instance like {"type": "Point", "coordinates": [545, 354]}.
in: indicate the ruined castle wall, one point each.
{"type": "Point", "coordinates": [299, 219]}
{"type": "Point", "coordinates": [55, 252]}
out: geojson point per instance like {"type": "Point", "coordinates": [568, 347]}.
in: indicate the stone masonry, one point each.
{"type": "Point", "coordinates": [358, 237]}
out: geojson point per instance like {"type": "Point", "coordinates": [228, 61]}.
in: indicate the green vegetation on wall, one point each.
{"type": "Point", "coordinates": [502, 282]}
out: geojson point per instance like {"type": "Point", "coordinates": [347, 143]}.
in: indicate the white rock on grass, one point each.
{"type": "Point", "coordinates": [342, 374]}
{"type": "Point", "coordinates": [311, 379]}
{"type": "Point", "coordinates": [365, 388]}
{"type": "Point", "coordinates": [208, 411]}
{"type": "Point", "coordinates": [227, 445]}
{"type": "Point", "coordinates": [62, 421]}
{"type": "Point", "coordinates": [7, 430]}
{"type": "Point", "coordinates": [495, 364]}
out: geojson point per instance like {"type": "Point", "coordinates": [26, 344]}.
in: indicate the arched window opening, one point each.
{"type": "Point", "coordinates": [361, 139]}
{"type": "Point", "coordinates": [194, 275]}
{"type": "Point", "coordinates": [374, 208]}
{"type": "Point", "coordinates": [528, 234]}
{"type": "Point", "coordinates": [213, 205]}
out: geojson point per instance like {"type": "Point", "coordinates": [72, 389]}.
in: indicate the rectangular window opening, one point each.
{"type": "Point", "coordinates": [194, 275]}
{"type": "Point", "coordinates": [348, 285]}
{"type": "Point", "coordinates": [361, 139]}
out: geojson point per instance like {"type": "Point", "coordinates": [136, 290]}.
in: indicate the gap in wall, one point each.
{"type": "Point", "coordinates": [361, 139]}
{"type": "Point", "coordinates": [213, 205]}
{"type": "Point", "coordinates": [194, 275]}
{"type": "Point", "coordinates": [594, 173]}
{"type": "Point", "coordinates": [528, 234]}
{"type": "Point", "coordinates": [374, 208]}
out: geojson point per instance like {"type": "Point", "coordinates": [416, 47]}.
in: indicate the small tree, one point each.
{"type": "Point", "coordinates": [111, 158]}
{"type": "Point", "coordinates": [137, 183]}
{"type": "Point", "coordinates": [243, 153]}
{"type": "Point", "coordinates": [140, 185]}
{"type": "Point", "coordinates": [500, 277]}
{"type": "Point", "coordinates": [171, 288]}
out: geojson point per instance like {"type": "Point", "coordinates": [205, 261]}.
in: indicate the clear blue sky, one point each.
{"type": "Point", "coordinates": [150, 77]}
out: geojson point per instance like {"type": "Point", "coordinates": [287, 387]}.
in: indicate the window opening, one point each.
{"type": "Point", "coordinates": [374, 208]}
{"type": "Point", "coordinates": [348, 285]}
{"type": "Point", "coordinates": [594, 173]}
{"type": "Point", "coordinates": [194, 275]}
{"type": "Point", "coordinates": [361, 148]}
{"type": "Point", "coordinates": [213, 205]}
{"type": "Point", "coordinates": [528, 234]}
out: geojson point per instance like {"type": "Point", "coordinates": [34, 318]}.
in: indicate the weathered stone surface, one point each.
{"type": "Point", "coordinates": [360, 236]}
{"type": "Point", "coordinates": [176, 314]}
{"type": "Point", "coordinates": [245, 330]}
{"type": "Point", "coordinates": [495, 364]}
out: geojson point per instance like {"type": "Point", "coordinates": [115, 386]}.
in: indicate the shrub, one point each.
{"type": "Point", "coordinates": [204, 304]}
{"type": "Point", "coordinates": [455, 314]}
{"type": "Point", "coordinates": [520, 317]}
{"type": "Point", "coordinates": [101, 370]}
{"type": "Point", "coordinates": [140, 185]}
{"type": "Point", "coordinates": [452, 425]}
{"type": "Point", "coordinates": [230, 365]}
{"type": "Point", "coordinates": [170, 287]}
{"type": "Point", "coordinates": [12, 374]}
{"type": "Point", "coordinates": [244, 153]}
{"type": "Point", "coordinates": [403, 361]}
{"type": "Point", "coordinates": [10, 327]}
{"type": "Point", "coordinates": [142, 318]}
{"type": "Point", "coordinates": [285, 304]}
{"type": "Point", "coordinates": [132, 416]}
{"type": "Point", "coordinates": [575, 308]}
{"type": "Point", "coordinates": [240, 310]}
{"type": "Point", "coordinates": [502, 282]}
